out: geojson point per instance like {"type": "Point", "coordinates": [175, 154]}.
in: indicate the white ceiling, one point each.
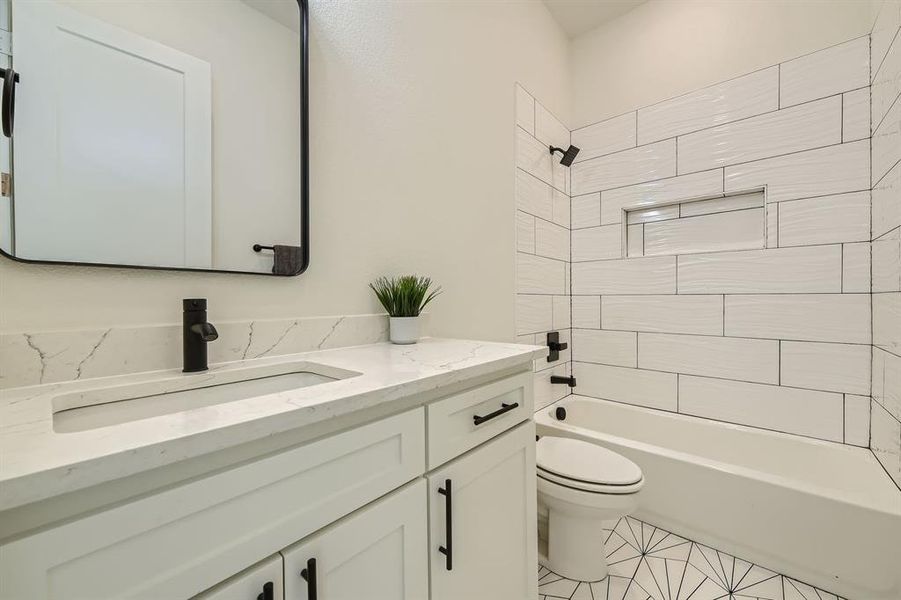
{"type": "Point", "coordinates": [578, 16]}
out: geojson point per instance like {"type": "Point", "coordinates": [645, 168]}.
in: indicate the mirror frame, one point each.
{"type": "Point", "coordinates": [303, 6]}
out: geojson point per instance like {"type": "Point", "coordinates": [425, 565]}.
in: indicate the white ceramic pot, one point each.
{"type": "Point", "coordinates": [404, 330]}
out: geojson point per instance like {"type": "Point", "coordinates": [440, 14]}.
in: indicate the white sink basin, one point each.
{"type": "Point", "coordinates": [175, 393]}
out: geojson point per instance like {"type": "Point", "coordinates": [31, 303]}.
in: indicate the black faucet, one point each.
{"type": "Point", "coordinates": [196, 333]}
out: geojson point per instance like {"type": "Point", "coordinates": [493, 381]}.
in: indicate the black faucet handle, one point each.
{"type": "Point", "coordinates": [192, 304]}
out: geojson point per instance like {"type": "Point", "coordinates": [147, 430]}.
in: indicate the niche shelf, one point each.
{"type": "Point", "coordinates": [735, 222]}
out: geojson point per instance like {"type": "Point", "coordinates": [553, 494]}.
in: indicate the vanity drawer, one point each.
{"type": "Point", "coordinates": [186, 539]}
{"type": "Point", "coordinates": [463, 421]}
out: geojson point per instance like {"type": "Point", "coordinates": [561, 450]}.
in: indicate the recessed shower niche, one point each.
{"type": "Point", "coordinates": [735, 222]}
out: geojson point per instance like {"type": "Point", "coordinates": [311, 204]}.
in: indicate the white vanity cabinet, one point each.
{"type": "Point", "coordinates": [351, 516]}
{"type": "Point", "coordinates": [378, 553]}
{"type": "Point", "coordinates": [183, 540]}
{"type": "Point", "coordinates": [482, 522]}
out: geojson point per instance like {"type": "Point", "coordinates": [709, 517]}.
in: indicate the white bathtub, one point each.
{"type": "Point", "coordinates": [821, 512]}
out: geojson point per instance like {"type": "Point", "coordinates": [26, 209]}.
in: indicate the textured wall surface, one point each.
{"type": "Point", "coordinates": [542, 240]}
{"type": "Point", "coordinates": [776, 335]}
{"type": "Point", "coordinates": [886, 235]}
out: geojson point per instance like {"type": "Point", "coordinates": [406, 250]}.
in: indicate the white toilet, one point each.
{"type": "Point", "coordinates": [581, 484]}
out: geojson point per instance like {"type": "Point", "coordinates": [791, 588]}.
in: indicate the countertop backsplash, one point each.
{"type": "Point", "coordinates": [56, 356]}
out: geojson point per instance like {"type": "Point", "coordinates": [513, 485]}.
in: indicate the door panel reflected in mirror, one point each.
{"type": "Point", "coordinates": [157, 133]}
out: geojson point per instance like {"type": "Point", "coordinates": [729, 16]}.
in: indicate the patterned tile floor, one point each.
{"type": "Point", "coordinates": [648, 563]}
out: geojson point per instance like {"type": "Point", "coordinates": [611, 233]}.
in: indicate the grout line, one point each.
{"type": "Point", "coordinates": [844, 418]}
{"type": "Point", "coordinates": [708, 127]}
{"type": "Point", "coordinates": [731, 337]}
{"type": "Point", "coordinates": [677, 155]}
{"type": "Point", "coordinates": [841, 274]}
{"type": "Point", "coordinates": [779, 85]}
{"type": "Point", "coordinates": [884, 175]}
{"type": "Point", "coordinates": [842, 119]}
{"type": "Point", "coordinates": [888, 49]}
{"type": "Point", "coordinates": [723, 298]}
{"type": "Point", "coordinates": [724, 167]}
{"type": "Point", "coordinates": [872, 131]}
{"type": "Point", "coordinates": [729, 251]}
{"type": "Point", "coordinates": [678, 386]}
{"type": "Point", "coordinates": [714, 377]}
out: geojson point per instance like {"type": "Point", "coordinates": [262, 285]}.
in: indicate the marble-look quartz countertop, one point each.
{"type": "Point", "coordinates": [37, 463]}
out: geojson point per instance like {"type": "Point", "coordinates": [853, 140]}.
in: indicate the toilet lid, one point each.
{"type": "Point", "coordinates": [583, 461]}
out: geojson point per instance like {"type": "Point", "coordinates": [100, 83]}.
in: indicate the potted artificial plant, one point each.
{"type": "Point", "coordinates": [404, 298]}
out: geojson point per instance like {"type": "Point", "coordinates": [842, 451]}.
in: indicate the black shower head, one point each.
{"type": "Point", "coordinates": [569, 155]}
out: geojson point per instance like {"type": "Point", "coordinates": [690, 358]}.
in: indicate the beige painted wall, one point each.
{"type": "Point", "coordinates": [412, 170]}
{"type": "Point", "coordinates": [412, 149]}
{"type": "Point", "coordinates": [669, 47]}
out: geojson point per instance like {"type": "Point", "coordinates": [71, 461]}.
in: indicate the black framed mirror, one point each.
{"type": "Point", "coordinates": [157, 134]}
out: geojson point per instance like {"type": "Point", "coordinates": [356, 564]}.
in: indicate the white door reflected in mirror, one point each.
{"type": "Point", "coordinates": [155, 134]}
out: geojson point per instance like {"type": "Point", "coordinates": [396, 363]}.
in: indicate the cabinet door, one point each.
{"type": "Point", "coordinates": [377, 553]}
{"type": "Point", "coordinates": [262, 581]}
{"type": "Point", "coordinates": [487, 549]}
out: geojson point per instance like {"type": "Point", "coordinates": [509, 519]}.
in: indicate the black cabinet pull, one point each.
{"type": "Point", "coordinates": [268, 592]}
{"type": "Point", "coordinates": [309, 575]}
{"type": "Point", "coordinates": [448, 549]}
{"type": "Point", "coordinates": [8, 101]}
{"type": "Point", "coordinates": [476, 419]}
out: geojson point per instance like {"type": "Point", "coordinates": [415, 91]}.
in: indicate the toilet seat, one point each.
{"type": "Point", "coordinates": [591, 488]}
{"type": "Point", "coordinates": [587, 467]}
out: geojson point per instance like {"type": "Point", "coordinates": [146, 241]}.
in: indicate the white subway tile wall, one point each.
{"type": "Point", "coordinates": [857, 420]}
{"type": "Point", "coordinates": [801, 411]}
{"type": "Point", "coordinates": [814, 269]}
{"type": "Point", "coordinates": [825, 220]}
{"type": "Point", "coordinates": [586, 211]}
{"type": "Point", "coordinates": [701, 315]}
{"type": "Point", "coordinates": [712, 356]}
{"type": "Point", "coordinates": [653, 389]}
{"type": "Point", "coordinates": [733, 100]}
{"type": "Point", "coordinates": [644, 163]}
{"type": "Point", "coordinates": [606, 347]}
{"type": "Point", "coordinates": [805, 317]}
{"type": "Point", "coordinates": [885, 122]}
{"type": "Point", "coordinates": [744, 330]}
{"type": "Point", "coordinates": [887, 262]}
{"type": "Point", "coordinates": [605, 137]}
{"type": "Point", "coordinates": [825, 73]}
{"type": "Point", "coordinates": [735, 253]}
{"type": "Point", "coordinates": [665, 191]}
{"type": "Point", "coordinates": [856, 115]}
{"type": "Point", "coordinates": [832, 170]}
{"type": "Point", "coordinates": [543, 214]}
{"type": "Point", "coordinates": [803, 127]}
{"type": "Point", "coordinates": [856, 273]}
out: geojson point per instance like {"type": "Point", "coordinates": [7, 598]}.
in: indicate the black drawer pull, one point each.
{"type": "Point", "coordinates": [476, 419]}
{"type": "Point", "coordinates": [268, 592]}
{"type": "Point", "coordinates": [309, 575]}
{"type": "Point", "coordinates": [448, 549]}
